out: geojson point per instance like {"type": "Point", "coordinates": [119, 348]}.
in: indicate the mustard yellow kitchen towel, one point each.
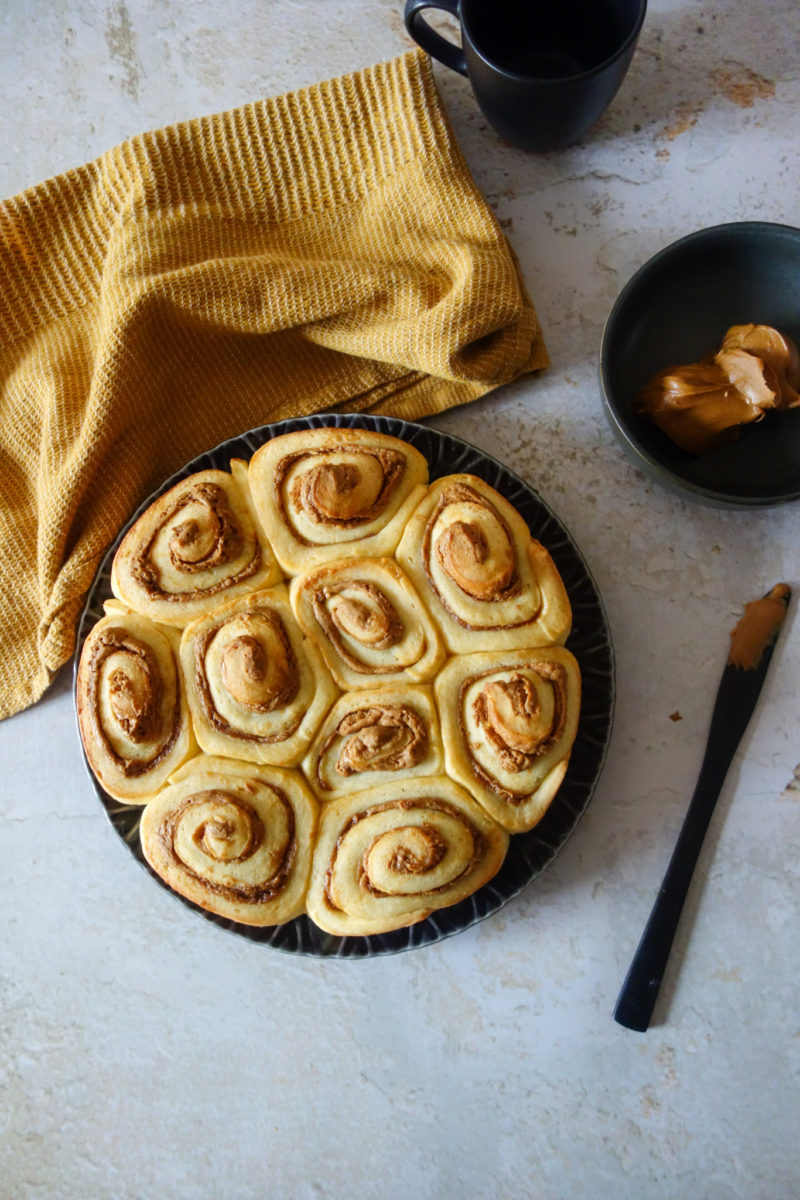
{"type": "Point", "coordinates": [325, 249]}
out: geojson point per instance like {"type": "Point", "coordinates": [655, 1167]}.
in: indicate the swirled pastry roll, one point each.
{"type": "Point", "coordinates": [325, 493]}
{"type": "Point", "coordinates": [388, 857]}
{"type": "Point", "coordinates": [370, 737]}
{"type": "Point", "coordinates": [195, 547]}
{"type": "Point", "coordinates": [234, 838]}
{"type": "Point", "coordinates": [368, 621]}
{"type": "Point", "coordinates": [487, 582]}
{"type": "Point", "coordinates": [509, 721]}
{"type": "Point", "coordinates": [132, 711]}
{"type": "Point", "coordinates": [257, 689]}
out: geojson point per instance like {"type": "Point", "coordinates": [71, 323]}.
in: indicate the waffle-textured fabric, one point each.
{"type": "Point", "coordinates": [327, 249]}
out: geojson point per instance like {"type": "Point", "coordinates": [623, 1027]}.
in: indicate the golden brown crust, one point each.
{"type": "Point", "coordinates": [388, 576]}
{"type": "Point", "coordinates": [486, 582]}
{"type": "Point", "coordinates": [132, 710]}
{"type": "Point", "coordinates": [389, 856]}
{"type": "Point", "coordinates": [322, 493]}
{"type": "Point", "coordinates": [368, 622]}
{"type": "Point", "coordinates": [195, 547]}
{"type": "Point", "coordinates": [234, 838]}
{"type": "Point", "coordinates": [509, 721]}
{"type": "Point", "coordinates": [373, 736]}
{"type": "Point", "coordinates": [257, 689]}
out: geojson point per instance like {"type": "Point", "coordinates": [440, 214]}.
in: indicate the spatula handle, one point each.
{"type": "Point", "coordinates": [736, 698]}
{"type": "Point", "coordinates": [737, 695]}
{"type": "Point", "coordinates": [639, 991]}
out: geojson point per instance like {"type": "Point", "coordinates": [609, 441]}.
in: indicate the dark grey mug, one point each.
{"type": "Point", "coordinates": [542, 71]}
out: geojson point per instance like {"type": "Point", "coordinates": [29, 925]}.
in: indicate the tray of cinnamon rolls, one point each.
{"type": "Point", "coordinates": [344, 685]}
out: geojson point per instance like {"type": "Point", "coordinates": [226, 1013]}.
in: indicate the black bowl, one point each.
{"type": "Point", "coordinates": [676, 309]}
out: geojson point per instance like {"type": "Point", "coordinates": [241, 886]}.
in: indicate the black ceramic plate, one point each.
{"type": "Point", "coordinates": [676, 309]}
{"type": "Point", "coordinates": [529, 853]}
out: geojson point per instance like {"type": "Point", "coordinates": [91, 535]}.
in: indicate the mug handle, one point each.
{"type": "Point", "coordinates": [432, 42]}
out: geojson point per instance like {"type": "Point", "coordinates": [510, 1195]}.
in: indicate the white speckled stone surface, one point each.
{"type": "Point", "coordinates": [144, 1052]}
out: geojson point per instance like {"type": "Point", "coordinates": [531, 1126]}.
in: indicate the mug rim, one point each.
{"type": "Point", "coordinates": [544, 80]}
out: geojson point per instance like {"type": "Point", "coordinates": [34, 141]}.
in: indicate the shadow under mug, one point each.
{"type": "Point", "coordinates": [543, 71]}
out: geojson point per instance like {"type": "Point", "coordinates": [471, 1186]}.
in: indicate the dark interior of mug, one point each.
{"type": "Point", "coordinates": [549, 39]}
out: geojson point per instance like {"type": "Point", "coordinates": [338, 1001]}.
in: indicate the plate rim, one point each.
{"type": "Point", "coordinates": [445, 923]}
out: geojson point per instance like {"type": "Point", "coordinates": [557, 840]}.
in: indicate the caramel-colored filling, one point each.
{"type": "Point", "coordinates": [344, 494]}
{"type": "Point", "coordinates": [482, 571]}
{"type": "Point", "coordinates": [759, 625]}
{"type": "Point", "coordinates": [261, 678]}
{"type": "Point", "coordinates": [481, 564]}
{"type": "Point", "coordinates": [264, 676]}
{"type": "Point", "coordinates": [136, 699]}
{"type": "Point", "coordinates": [509, 713]}
{"type": "Point", "coordinates": [341, 491]}
{"type": "Point", "coordinates": [198, 543]}
{"type": "Point", "coordinates": [417, 850]}
{"type": "Point", "coordinates": [777, 351]}
{"type": "Point", "coordinates": [703, 405]}
{"type": "Point", "coordinates": [410, 862]}
{"type": "Point", "coordinates": [232, 834]}
{"type": "Point", "coordinates": [378, 738]}
{"type": "Point", "coordinates": [357, 609]}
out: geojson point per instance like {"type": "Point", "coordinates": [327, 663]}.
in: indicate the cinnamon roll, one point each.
{"type": "Point", "coordinates": [324, 493]}
{"type": "Point", "coordinates": [368, 621]}
{"type": "Point", "coordinates": [372, 736]}
{"type": "Point", "coordinates": [132, 711]}
{"type": "Point", "coordinates": [388, 857]}
{"type": "Point", "coordinates": [234, 838]}
{"type": "Point", "coordinates": [509, 721]}
{"type": "Point", "coordinates": [196, 546]}
{"type": "Point", "coordinates": [486, 581]}
{"type": "Point", "coordinates": [257, 689]}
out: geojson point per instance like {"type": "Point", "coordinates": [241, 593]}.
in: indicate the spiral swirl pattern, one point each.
{"type": "Point", "coordinates": [132, 710]}
{"type": "Point", "coordinates": [233, 838]}
{"type": "Point", "coordinates": [374, 736]}
{"type": "Point", "coordinates": [262, 671]}
{"type": "Point", "coordinates": [486, 581]}
{"type": "Point", "coordinates": [257, 690]}
{"type": "Point", "coordinates": [328, 492]}
{"type": "Point", "coordinates": [389, 856]}
{"type": "Point", "coordinates": [509, 722]}
{"type": "Point", "coordinates": [368, 622]}
{"type": "Point", "coordinates": [197, 546]}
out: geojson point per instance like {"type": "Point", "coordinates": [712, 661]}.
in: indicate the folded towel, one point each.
{"type": "Point", "coordinates": [325, 249]}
